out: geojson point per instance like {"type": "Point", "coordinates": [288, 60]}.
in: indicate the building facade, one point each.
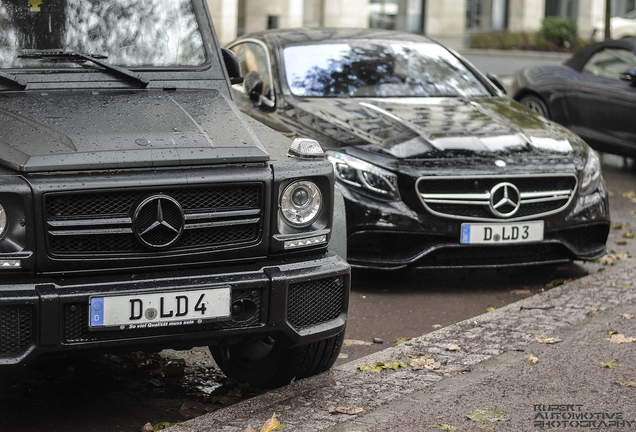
{"type": "Point", "coordinates": [450, 21]}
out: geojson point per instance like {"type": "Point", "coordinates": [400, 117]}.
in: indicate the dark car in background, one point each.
{"type": "Point", "coordinates": [437, 166]}
{"type": "Point", "coordinates": [593, 94]}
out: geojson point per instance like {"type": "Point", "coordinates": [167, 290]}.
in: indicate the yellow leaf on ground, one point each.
{"type": "Point", "coordinates": [610, 364]}
{"type": "Point", "coordinates": [630, 383]}
{"type": "Point", "coordinates": [625, 286]}
{"type": "Point", "coordinates": [619, 339]}
{"type": "Point", "coordinates": [271, 424]}
{"type": "Point", "coordinates": [372, 368]}
{"type": "Point", "coordinates": [533, 359]}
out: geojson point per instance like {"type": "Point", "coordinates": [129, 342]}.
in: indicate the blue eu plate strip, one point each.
{"type": "Point", "coordinates": [465, 234]}
{"type": "Point", "coordinates": [97, 311]}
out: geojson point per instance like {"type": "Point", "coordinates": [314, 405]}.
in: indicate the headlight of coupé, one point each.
{"type": "Point", "coordinates": [3, 220]}
{"type": "Point", "coordinates": [365, 176]}
{"type": "Point", "coordinates": [591, 176]}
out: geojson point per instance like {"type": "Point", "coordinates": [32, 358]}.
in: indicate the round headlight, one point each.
{"type": "Point", "coordinates": [3, 220]}
{"type": "Point", "coordinates": [301, 203]}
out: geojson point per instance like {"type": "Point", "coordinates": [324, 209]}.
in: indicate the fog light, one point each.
{"type": "Point", "coordinates": [310, 241]}
{"type": "Point", "coordinates": [10, 264]}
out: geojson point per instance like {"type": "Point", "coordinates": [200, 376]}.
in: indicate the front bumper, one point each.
{"type": "Point", "coordinates": [298, 301]}
{"type": "Point", "coordinates": [391, 236]}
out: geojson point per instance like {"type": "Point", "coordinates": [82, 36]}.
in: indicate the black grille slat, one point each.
{"type": "Point", "coordinates": [315, 302]}
{"type": "Point", "coordinates": [16, 329]}
{"type": "Point", "coordinates": [219, 204]}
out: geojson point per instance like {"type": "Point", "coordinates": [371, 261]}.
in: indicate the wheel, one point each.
{"type": "Point", "coordinates": [266, 363]}
{"type": "Point", "coordinates": [535, 104]}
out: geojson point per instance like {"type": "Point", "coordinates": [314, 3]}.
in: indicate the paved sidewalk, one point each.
{"type": "Point", "coordinates": [566, 387]}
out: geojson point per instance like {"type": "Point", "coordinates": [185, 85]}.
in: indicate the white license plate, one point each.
{"type": "Point", "coordinates": [498, 233]}
{"type": "Point", "coordinates": [159, 310]}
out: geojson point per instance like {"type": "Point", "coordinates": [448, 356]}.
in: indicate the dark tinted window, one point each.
{"type": "Point", "coordinates": [378, 69]}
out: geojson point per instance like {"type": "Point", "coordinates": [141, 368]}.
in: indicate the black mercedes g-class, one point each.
{"type": "Point", "coordinates": [139, 209]}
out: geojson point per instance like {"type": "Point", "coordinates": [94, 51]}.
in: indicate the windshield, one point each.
{"type": "Point", "coordinates": [133, 33]}
{"type": "Point", "coordinates": [630, 15]}
{"type": "Point", "coordinates": [378, 69]}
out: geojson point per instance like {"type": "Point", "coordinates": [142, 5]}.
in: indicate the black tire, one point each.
{"type": "Point", "coordinates": [266, 363]}
{"type": "Point", "coordinates": [536, 104]}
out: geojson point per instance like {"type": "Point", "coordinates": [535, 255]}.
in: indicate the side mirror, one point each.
{"type": "Point", "coordinates": [497, 82]}
{"type": "Point", "coordinates": [253, 85]}
{"type": "Point", "coordinates": [233, 66]}
{"type": "Point", "coordinates": [630, 76]}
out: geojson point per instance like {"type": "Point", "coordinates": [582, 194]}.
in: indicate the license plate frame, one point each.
{"type": "Point", "coordinates": [157, 310]}
{"type": "Point", "coordinates": [498, 233]}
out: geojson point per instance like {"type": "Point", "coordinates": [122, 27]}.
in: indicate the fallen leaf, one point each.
{"type": "Point", "coordinates": [602, 269]}
{"type": "Point", "coordinates": [148, 427]}
{"type": "Point", "coordinates": [631, 383]}
{"type": "Point", "coordinates": [356, 342]}
{"type": "Point", "coordinates": [345, 410]}
{"type": "Point", "coordinates": [490, 309]}
{"type": "Point", "coordinates": [597, 309]}
{"type": "Point", "coordinates": [402, 340]}
{"type": "Point", "coordinates": [447, 427]}
{"type": "Point", "coordinates": [630, 234]}
{"type": "Point", "coordinates": [395, 365]}
{"type": "Point", "coordinates": [555, 283]}
{"type": "Point", "coordinates": [621, 242]}
{"type": "Point", "coordinates": [610, 364]}
{"type": "Point", "coordinates": [419, 362]}
{"type": "Point", "coordinates": [372, 368]}
{"type": "Point", "coordinates": [483, 416]}
{"type": "Point", "coordinates": [533, 359]}
{"type": "Point", "coordinates": [271, 424]}
{"type": "Point", "coordinates": [629, 316]}
{"type": "Point", "coordinates": [548, 340]}
{"type": "Point", "coordinates": [619, 339]}
{"type": "Point", "coordinates": [625, 286]}
{"type": "Point", "coordinates": [453, 348]}
{"type": "Point", "coordinates": [437, 326]}
{"type": "Point", "coordinates": [629, 195]}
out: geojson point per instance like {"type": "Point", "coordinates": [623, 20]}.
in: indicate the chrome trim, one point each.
{"type": "Point", "coordinates": [484, 198]}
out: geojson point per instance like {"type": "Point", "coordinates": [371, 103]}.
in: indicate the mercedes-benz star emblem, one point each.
{"type": "Point", "coordinates": [505, 200]}
{"type": "Point", "coordinates": [158, 221]}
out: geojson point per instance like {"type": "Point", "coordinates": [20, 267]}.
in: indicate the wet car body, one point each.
{"type": "Point", "coordinates": [592, 94]}
{"type": "Point", "coordinates": [416, 172]}
{"type": "Point", "coordinates": [139, 209]}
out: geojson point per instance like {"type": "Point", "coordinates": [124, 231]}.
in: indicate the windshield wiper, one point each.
{"type": "Point", "coordinates": [96, 59]}
{"type": "Point", "coordinates": [12, 79]}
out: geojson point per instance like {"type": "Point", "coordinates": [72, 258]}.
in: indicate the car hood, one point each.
{"type": "Point", "coordinates": [109, 130]}
{"type": "Point", "coordinates": [420, 128]}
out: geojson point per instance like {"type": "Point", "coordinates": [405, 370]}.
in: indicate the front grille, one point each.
{"type": "Point", "coordinates": [76, 322]}
{"type": "Point", "coordinates": [16, 329]}
{"type": "Point", "coordinates": [474, 198]}
{"type": "Point", "coordinates": [314, 302]}
{"type": "Point", "coordinates": [102, 222]}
